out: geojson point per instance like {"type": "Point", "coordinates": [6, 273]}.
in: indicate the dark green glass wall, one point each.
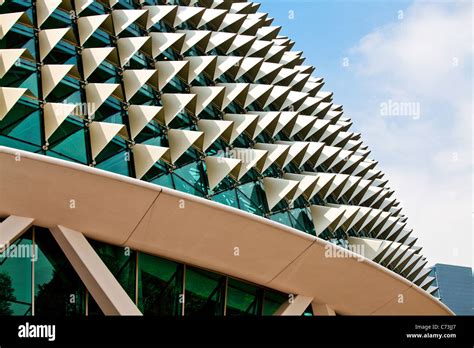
{"type": "Point", "coordinates": [37, 279]}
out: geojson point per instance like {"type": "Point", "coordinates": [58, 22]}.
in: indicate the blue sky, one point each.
{"type": "Point", "coordinates": [417, 53]}
{"type": "Point", "coordinates": [325, 30]}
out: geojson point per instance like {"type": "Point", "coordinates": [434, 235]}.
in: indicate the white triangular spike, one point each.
{"type": "Point", "coordinates": [224, 63]}
{"type": "Point", "coordinates": [350, 186]}
{"type": "Point", "coordinates": [145, 156]}
{"type": "Point", "coordinates": [285, 76]}
{"type": "Point", "coordinates": [318, 128]}
{"type": "Point", "coordinates": [157, 13]}
{"type": "Point", "coordinates": [93, 57]}
{"type": "Point", "coordinates": [257, 92]}
{"type": "Point", "coordinates": [241, 43]}
{"type": "Point", "coordinates": [88, 25]}
{"type": "Point", "coordinates": [44, 9]}
{"type": "Point", "coordinates": [235, 92]}
{"type": "Point", "coordinates": [48, 39]}
{"type": "Point", "coordinates": [8, 58]}
{"type": "Point", "coordinates": [139, 116]}
{"type": "Point", "coordinates": [54, 116]}
{"type": "Point", "coordinates": [296, 153]}
{"type": "Point", "coordinates": [259, 48]}
{"type": "Point", "coordinates": [286, 119]}
{"type": "Point", "coordinates": [167, 70]}
{"type": "Point", "coordinates": [181, 140]}
{"type": "Point", "coordinates": [240, 7]}
{"type": "Point", "coordinates": [277, 189]}
{"type": "Point", "coordinates": [162, 41]}
{"type": "Point", "coordinates": [277, 153]}
{"type": "Point", "coordinates": [278, 96]}
{"type": "Point", "coordinates": [134, 79]}
{"type": "Point", "coordinates": [194, 37]}
{"type": "Point", "coordinates": [266, 120]}
{"type": "Point", "coordinates": [242, 123]}
{"type": "Point", "coordinates": [102, 133]}
{"type": "Point", "coordinates": [174, 103]}
{"type": "Point", "coordinates": [123, 18]}
{"type": "Point", "coordinates": [350, 213]}
{"type": "Point", "coordinates": [220, 39]}
{"type": "Point", "coordinates": [213, 129]}
{"type": "Point", "coordinates": [207, 95]}
{"type": "Point", "coordinates": [324, 183]}
{"type": "Point", "coordinates": [128, 46]}
{"type": "Point", "coordinates": [97, 93]}
{"type": "Point", "coordinates": [293, 99]}
{"type": "Point", "coordinates": [328, 153]}
{"type": "Point", "coordinates": [8, 98]}
{"type": "Point", "coordinates": [248, 25]}
{"type": "Point", "coordinates": [369, 247]}
{"type": "Point", "coordinates": [211, 15]}
{"type": "Point", "coordinates": [313, 151]}
{"type": "Point", "coordinates": [250, 158]}
{"type": "Point", "coordinates": [268, 70]}
{"type": "Point", "coordinates": [7, 21]}
{"type": "Point", "coordinates": [302, 125]}
{"type": "Point", "coordinates": [81, 5]}
{"type": "Point", "coordinates": [51, 75]}
{"type": "Point", "coordinates": [249, 66]}
{"type": "Point", "coordinates": [325, 217]}
{"type": "Point", "coordinates": [198, 64]}
{"type": "Point", "coordinates": [268, 33]}
{"type": "Point", "coordinates": [307, 185]}
{"type": "Point", "coordinates": [232, 20]}
{"type": "Point", "coordinates": [185, 13]}
{"type": "Point", "coordinates": [218, 168]}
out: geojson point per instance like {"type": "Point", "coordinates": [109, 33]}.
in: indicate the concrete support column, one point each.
{"type": "Point", "coordinates": [322, 309]}
{"type": "Point", "coordinates": [100, 282]}
{"type": "Point", "coordinates": [11, 228]}
{"type": "Point", "coordinates": [295, 307]}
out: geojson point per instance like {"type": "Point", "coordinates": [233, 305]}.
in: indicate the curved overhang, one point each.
{"type": "Point", "coordinates": [128, 212]}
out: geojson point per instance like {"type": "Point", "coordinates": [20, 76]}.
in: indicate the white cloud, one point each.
{"type": "Point", "coordinates": [424, 58]}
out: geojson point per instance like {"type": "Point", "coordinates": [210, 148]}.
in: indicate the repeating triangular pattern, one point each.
{"type": "Point", "coordinates": [202, 96]}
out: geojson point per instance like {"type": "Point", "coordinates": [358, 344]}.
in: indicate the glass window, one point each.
{"type": "Point", "coordinates": [93, 308]}
{"type": "Point", "coordinates": [160, 286]}
{"type": "Point", "coordinates": [16, 277]}
{"type": "Point", "coordinates": [243, 298]}
{"type": "Point", "coordinates": [205, 293]}
{"type": "Point", "coordinates": [227, 198]}
{"type": "Point", "coordinates": [58, 289]}
{"type": "Point", "coordinates": [121, 262]}
{"type": "Point", "coordinates": [283, 218]}
{"type": "Point", "coordinates": [272, 300]}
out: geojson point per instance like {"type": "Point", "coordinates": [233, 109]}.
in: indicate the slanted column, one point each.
{"type": "Point", "coordinates": [295, 307]}
{"type": "Point", "coordinates": [322, 309]}
{"type": "Point", "coordinates": [11, 228]}
{"type": "Point", "coordinates": [104, 288]}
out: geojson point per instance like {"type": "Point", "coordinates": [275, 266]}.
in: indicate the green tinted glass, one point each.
{"type": "Point", "coordinates": [121, 262]}
{"type": "Point", "coordinates": [160, 286]}
{"type": "Point", "coordinates": [205, 292]}
{"type": "Point", "coordinates": [16, 277]}
{"type": "Point", "coordinates": [58, 288]}
{"type": "Point", "coordinates": [243, 298]}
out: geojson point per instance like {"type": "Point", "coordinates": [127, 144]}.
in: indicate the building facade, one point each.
{"type": "Point", "coordinates": [178, 157]}
{"type": "Point", "coordinates": [455, 287]}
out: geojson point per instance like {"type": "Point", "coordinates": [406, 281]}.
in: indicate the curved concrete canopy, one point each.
{"type": "Point", "coordinates": [157, 220]}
